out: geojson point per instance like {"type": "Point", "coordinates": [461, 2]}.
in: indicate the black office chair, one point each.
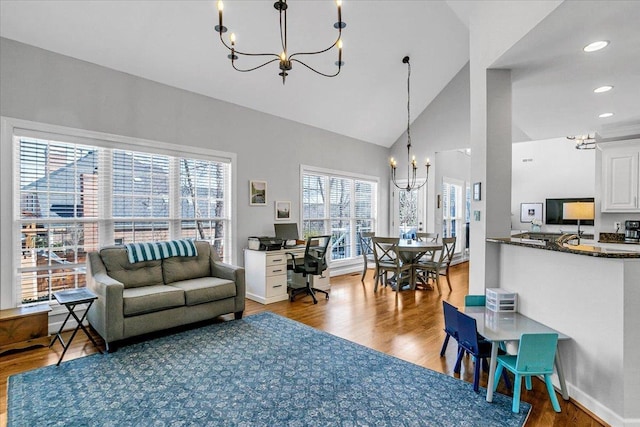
{"type": "Point", "coordinates": [314, 263]}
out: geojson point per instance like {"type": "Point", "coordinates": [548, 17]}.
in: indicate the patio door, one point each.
{"type": "Point", "coordinates": [408, 211]}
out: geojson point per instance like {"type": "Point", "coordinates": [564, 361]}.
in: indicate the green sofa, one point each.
{"type": "Point", "coordinates": [135, 299]}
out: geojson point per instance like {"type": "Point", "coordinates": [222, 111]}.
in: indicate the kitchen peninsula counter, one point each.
{"type": "Point", "coordinates": [589, 250]}
{"type": "Point", "coordinates": [590, 292]}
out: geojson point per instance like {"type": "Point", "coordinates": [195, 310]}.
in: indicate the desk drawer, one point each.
{"type": "Point", "coordinates": [279, 259]}
{"type": "Point", "coordinates": [274, 270]}
{"type": "Point", "coordinates": [276, 285]}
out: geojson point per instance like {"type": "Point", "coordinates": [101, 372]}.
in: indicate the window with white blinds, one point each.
{"type": "Point", "coordinates": [73, 199]}
{"type": "Point", "coordinates": [340, 205]}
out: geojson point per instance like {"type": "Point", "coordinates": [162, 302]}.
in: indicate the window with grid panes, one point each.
{"type": "Point", "coordinates": [76, 198]}
{"type": "Point", "coordinates": [340, 205]}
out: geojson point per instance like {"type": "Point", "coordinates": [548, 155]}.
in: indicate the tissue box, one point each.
{"type": "Point", "coordinates": [501, 300]}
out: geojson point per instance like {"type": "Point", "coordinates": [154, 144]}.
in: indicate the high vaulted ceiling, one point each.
{"type": "Point", "coordinates": [174, 42]}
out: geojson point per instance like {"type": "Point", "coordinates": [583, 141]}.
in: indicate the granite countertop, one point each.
{"type": "Point", "coordinates": [588, 250]}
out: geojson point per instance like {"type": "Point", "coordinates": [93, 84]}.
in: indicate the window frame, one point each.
{"type": "Point", "coordinates": [10, 221]}
{"type": "Point", "coordinates": [353, 177]}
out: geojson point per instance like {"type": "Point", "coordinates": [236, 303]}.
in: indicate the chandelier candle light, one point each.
{"type": "Point", "coordinates": [284, 59]}
{"type": "Point", "coordinates": [412, 166]}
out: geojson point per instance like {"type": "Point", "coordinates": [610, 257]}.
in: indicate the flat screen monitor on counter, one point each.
{"type": "Point", "coordinates": [553, 211]}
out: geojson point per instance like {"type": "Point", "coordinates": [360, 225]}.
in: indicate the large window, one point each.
{"type": "Point", "coordinates": [73, 198]}
{"type": "Point", "coordinates": [340, 205]}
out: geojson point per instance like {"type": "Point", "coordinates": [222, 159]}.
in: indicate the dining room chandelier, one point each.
{"type": "Point", "coordinates": [412, 165]}
{"type": "Point", "coordinates": [284, 58]}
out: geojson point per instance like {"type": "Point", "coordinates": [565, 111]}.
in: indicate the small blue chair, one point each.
{"type": "Point", "coordinates": [450, 324]}
{"type": "Point", "coordinates": [475, 300]}
{"type": "Point", "coordinates": [536, 354]}
{"type": "Point", "coordinates": [479, 349]}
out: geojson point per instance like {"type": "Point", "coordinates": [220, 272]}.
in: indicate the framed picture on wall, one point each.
{"type": "Point", "coordinates": [257, 193]}
{"type": "Point", "coordinates": [477, 191]}
{"type": "Point", "coordinates": [283, 210]}
{"type": "Point", "coordinates": [530, 212]}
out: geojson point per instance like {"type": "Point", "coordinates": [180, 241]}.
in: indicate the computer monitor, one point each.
{"type": "Point", "coordinates": [288, 232]}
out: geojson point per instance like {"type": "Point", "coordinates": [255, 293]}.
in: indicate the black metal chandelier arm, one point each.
{"type": "Point", "coordinates": [236, 51]}
{"type": "Point", "coordinates": [320, 51]}
{"type": "Point", "coordinates": [254, 68]}
{"type": "Point", "coordinates": [316, 71]}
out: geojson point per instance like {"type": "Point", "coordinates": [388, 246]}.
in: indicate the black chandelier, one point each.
{"type": "Point", "coordinates": [412, 166]}
{"type": "Point", "coordinates": [284, 59]}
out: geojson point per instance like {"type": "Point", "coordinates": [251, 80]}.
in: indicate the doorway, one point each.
{"type": "Point", "coordinates": [408, 211]}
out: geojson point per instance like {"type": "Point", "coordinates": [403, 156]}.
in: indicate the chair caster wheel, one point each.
{"type": "Point", "coordinates": [327, 297]}
{"type": "Point", "coordinates": [315, 301]}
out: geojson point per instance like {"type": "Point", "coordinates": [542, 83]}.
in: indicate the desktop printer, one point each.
{"type": "Point", "coordinates": [265, 243]}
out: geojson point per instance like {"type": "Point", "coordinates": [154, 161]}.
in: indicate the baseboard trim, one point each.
{"type": "Point", "coordinates": [597, 410]}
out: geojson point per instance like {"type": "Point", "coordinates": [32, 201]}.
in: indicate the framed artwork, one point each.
{"type": "Point", "coordinates": [283, 210]}
{"type": "Point", "coordinates": [477, 191]}
{"type": "Point", "coordinates": [530, 212]}
{"type": "Point", "coordinates": [258, 193]}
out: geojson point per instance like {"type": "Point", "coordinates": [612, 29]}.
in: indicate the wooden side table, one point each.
{"type": "Point", "coordinates": [24, 327]}
{"type": "Point", "coordinates": [70, 299]}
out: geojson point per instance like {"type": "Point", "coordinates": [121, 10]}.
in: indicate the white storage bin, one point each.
{"type": "Point", "coordinates": [501, 300]}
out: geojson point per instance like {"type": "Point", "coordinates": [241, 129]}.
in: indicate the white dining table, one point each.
{"type": "Point", "coordinates": [503, 326]}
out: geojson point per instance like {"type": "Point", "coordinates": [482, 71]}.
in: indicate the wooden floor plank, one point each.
{"type": "Point", "coordinates": [406, 325]}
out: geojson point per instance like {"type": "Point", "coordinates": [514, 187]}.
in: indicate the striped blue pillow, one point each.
{"type": "Point", "coordinates": [177, 248]}
{"type": "Point", "coordinates": [138, 252]}
{"type": "Point", "coordinates": [151, 251]}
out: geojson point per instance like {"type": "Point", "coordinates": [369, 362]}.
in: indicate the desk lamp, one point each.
{"type": "Point", "coordinates": [578, 211]}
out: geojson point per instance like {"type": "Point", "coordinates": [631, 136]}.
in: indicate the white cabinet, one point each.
{"type": "Point", "coordinates": [620, 178]}
{"type": "Point", "coordinates": [266, 275]}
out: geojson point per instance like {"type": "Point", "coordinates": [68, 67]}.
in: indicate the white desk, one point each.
{"type": "Point", "coordinates": [497, 327]}
{"type": "Point", "coordinates": [267, 278]}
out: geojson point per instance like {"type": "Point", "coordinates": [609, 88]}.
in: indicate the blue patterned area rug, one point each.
{"type": "Point", "coordinates": [264, 370]}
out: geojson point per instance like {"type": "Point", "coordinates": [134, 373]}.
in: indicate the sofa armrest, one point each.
{"type": "Point", "coordinates": [106, 314]}
{"type": "Point", "coordinates": [230, 272]}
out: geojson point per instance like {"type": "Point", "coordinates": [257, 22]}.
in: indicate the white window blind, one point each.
{"type": "Point", "coordinates": [339, 205]}
{"type": "Point", "coordinates": [74, 198]}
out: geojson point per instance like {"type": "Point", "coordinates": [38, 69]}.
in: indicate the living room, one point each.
{"type": "Point", "coordinates": [49, 92]}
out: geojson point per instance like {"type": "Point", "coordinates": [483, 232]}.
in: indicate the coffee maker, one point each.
{"type": "Point", "coordinates": [632, 231]}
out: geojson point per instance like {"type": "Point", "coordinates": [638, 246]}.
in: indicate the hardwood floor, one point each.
{"type": "Point", "coordinates": [407, 326]}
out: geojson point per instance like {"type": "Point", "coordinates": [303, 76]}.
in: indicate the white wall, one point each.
{"type": "Point", "coordinates": [493, 29]}
{"type": "Point", "coordinates": [46, 87]}
{"type": "Point", "coordinates": [549, 169]}
{"type": "Point", "coordinates": [442, 126]}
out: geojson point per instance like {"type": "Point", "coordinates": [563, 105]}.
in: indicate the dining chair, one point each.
{"type": "Point", "coordinates": [475, 300]}
{"type": "Point", "coordinates": [536, 354]}
{"type": "Point", "coordinates": [440, 267]}
{"type": "Point", "coordinates": [385, 250]}
{"type": "Point", "coordinates": [450, 325]}
{"type": "Point", "coordinates": [479, 349]}
{"type": "Point", "coordinates": [427, 237]}
{"type": "Point", "coordinates": [366, 249]}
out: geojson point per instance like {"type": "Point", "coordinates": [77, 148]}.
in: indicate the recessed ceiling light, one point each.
{"type": "Point", "coordinates": [602, 89]}
{"type": "Point", "coordinates": [592, 47]}
{"type": "Point", "coordinates": [605, 115]}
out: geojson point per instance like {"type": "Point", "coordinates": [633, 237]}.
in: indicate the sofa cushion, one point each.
{"type": "Point", "coordinates": [147, 299]}
{"type": "Point", "coordinates": [116, 261]}
{"type": "Point", "coordinates": [178, 268]}
{"type": "Point", "coordinates": [206, 289]}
